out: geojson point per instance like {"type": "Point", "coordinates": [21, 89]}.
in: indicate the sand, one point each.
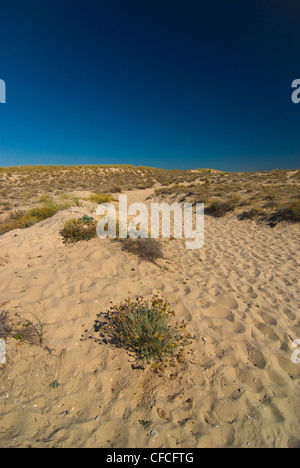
{"type": "Point", "coordinates": [238, 386]}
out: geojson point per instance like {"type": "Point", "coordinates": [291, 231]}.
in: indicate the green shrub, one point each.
{"type": "Point", "coordinates": [76, 230]}
{"type": "Point", "coordinates": [144, 328]}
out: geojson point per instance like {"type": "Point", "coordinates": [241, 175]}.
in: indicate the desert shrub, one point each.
{"type": "Point", "coordinates": [13, 221]}
{"type": "Point", "coordinates": [288, 212]}
{"type": "Point", "coordinates": [219, 208]}
{"type": "Point", "coordinates": [76, 230]}
{"type": "Point", "coordinates": [146, 249]}
{"type": "Point", "coordinates": [252, 213]}
{"type": "Point", "coordinates": [144, 328]}
{"type": "Point", "coordinates": [100, 198]}
{"type": "Point", "coordinates": [295, 210]}
{"type": "Point", "coordinates": [116, 189]}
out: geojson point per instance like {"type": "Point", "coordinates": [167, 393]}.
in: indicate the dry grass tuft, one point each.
{"type": "Point", "coordinates": [100, 198]}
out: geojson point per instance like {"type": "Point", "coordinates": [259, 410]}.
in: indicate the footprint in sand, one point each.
{"type": "Point", "coordinates": [268, 319]}
{"type": "Point", "coordinates": [288, 366]}
{"type": "Point", "coordinates": [227, 409]}
{"type": "Point", "coordinates": [256, 358]}
{"type": "Point", "coordinates": [266, 331]}
{"type": "Point", "coordinates": [249, 378]}
{"type": "Point", "coordinates": [290, 315]}
{"type": "Point", "coordinates": [239, 328]}
{"type": "Point", "coordinates": [227, 301]}
{"type": "Point", "coordinates": [215, 311]}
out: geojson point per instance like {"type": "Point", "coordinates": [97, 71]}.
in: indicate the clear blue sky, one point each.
{"type": "Point", "coordinates": [164, 83]}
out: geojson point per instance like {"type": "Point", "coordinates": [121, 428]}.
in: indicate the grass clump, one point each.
{"type": "Point", "coordinates": [288, 211]}
{"type": "Point", "coordinates": [100, 198]}
{"type": "Point", "coordinates": [25, 219]}
{"type": "Point", "coordinates": [145, 329]}
{"type": "Point", "coordinates": [252, 213]}
{"type": "Point", "coordinates": [219, 208]}
{"type": "Point", "coordinates": [21, 329]}
{"type": "Point", "coordinates": [75, 230]}
{"type": "Point", "coordinates": [22, 219]}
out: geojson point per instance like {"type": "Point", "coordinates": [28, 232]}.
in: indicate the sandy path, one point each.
{"type": "Point", "coordinates": [240, 296]}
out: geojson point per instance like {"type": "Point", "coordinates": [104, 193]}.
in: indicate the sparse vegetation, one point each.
{"type": "Point", "coordinates": [220, 208]}
{"type": "Point", "coordinates": [21, 329]}
{"type": "Point", "coordinates": [275, 193]}
{"type": "Point", "coordinates": [288, 211]}
{"type": "Point", "coordinates": [22, 219]}
{"type": "Point", "coordinates": [269, 196]}
{"type": "Point", "coordinates": [252, 213]}
{"type": "Point", "coordinates": [75, 230]}
{"type": "Point", "coordinates": [145, 329]}
{"type": "Point", "coordinates": [100, 198]}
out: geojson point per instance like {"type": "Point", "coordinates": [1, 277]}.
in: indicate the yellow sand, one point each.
{"type": "Point", "coordinates": [238, 387]}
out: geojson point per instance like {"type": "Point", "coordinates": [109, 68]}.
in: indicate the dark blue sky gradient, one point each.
{"type": "Point", "coordinates": [170, 84]}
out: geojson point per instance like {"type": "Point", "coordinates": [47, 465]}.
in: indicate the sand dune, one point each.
{"type": "Point", "coordinates": [238, 386]}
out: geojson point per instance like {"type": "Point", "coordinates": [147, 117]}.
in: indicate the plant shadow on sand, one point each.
{"type": "Point", "coordinates": [146, 249]}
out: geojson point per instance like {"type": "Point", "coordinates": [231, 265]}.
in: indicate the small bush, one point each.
{"type": "Point", "coordinates": [144, 328]}
{"type": "Point", "coordinates": [218, 208]}
{"type": "Point", "coordinates": [289, 212]}
{"type": "Point", "coordinates": [116, 189]}
{"type": "Point", "coordinates": [295, 210]}
{"type": "Point", "coordinates": [252, 213]}
{"type": "Point", "coordinates": [76, 230]}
